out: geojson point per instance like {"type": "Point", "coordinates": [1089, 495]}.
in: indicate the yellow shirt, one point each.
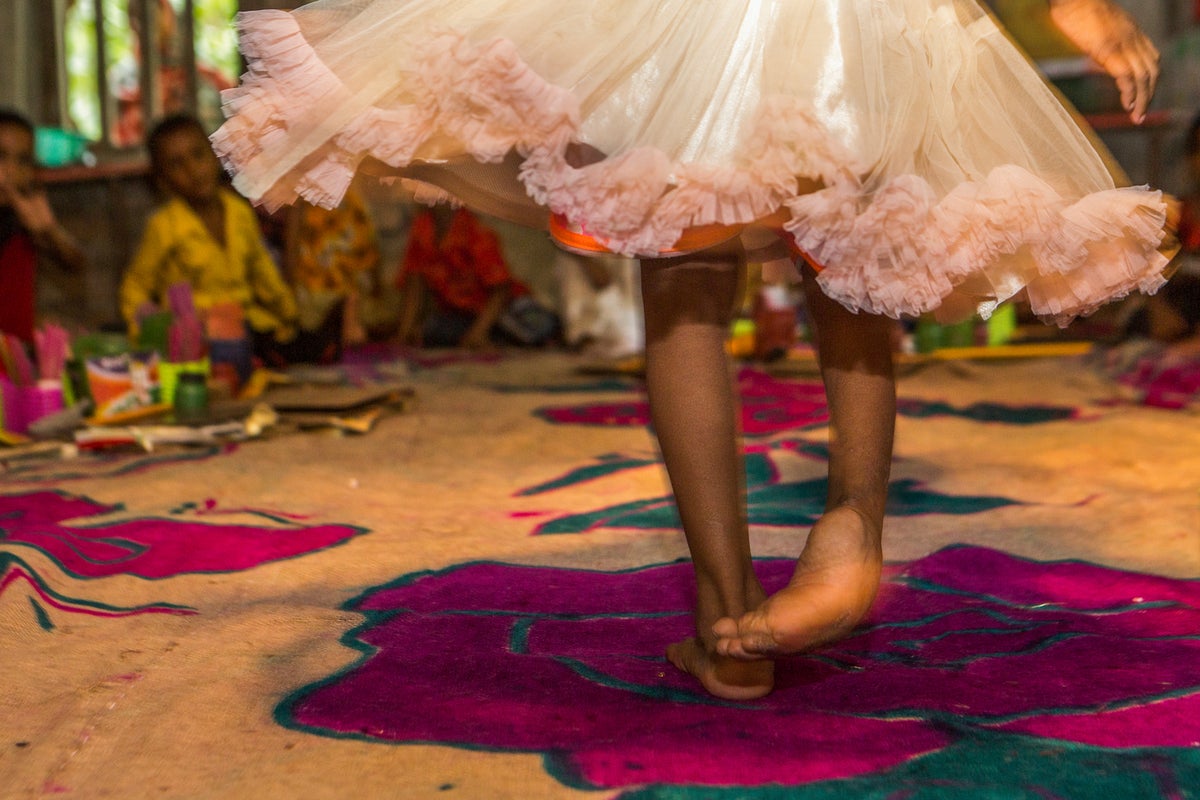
{"type": "Point", "coordinates": [177, 247]}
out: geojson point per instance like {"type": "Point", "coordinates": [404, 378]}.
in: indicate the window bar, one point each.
{"type": "Point", "coordinates": [188, 34]}
{"type": "Point", "coordinates": [107, 101]}
{"type": "Point", "coordinates": [19, 74]}
{"type": "Point", "coordinates": [62, 116]}
{"type": "Point", "coordinates": [1174, 16]}
{"type": "Point", "coordinates": [150, 68]}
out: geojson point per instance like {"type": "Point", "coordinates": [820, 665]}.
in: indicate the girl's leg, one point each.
{"type": "Point", "coordinates": [837, 574]}
{"type": "Point", "coordinates": [688, 306]}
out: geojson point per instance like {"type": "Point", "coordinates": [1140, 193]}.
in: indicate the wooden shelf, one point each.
{"type": "Point", "coordinates": [1118, 121]}
{"type": "Point", "coordinates": [108, 170]}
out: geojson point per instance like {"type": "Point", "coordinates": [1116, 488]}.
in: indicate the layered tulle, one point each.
{"type": "Point", "coordinates": [905, 146]}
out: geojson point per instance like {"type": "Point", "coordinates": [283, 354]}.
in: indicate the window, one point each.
{"type": "Point", "coordinates": [129, 62]}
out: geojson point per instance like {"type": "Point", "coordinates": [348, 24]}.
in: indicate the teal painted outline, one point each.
{"type": "Point", "coordinates": [609, 464]}
{"type": "Point", "coordinates": [987, 765]}
{"type": "Point", "coordinates": [936, 588]}
{"type": "Point", "coordinates": [138, 463]}
{"type": "Point", "coordinates": [603, 386]}
{"type": "Point", "coordinates": [7, 560]}
{"type": "Point", "coordinates": [43, 619]}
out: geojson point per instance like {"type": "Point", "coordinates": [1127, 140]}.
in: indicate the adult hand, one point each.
{"type": "Point", "coordinates": [1110, 37]}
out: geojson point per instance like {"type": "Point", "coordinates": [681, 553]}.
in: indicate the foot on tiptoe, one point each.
{"type": "Point", "coordinates": [831, 590]}
{"type": "Point", "coordinates": [721, 676]}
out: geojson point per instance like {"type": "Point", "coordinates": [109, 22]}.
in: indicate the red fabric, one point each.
{"type": "Point", "coordinates": [463, 268]}
{"type": "Point", "coordinates": [18, 261]}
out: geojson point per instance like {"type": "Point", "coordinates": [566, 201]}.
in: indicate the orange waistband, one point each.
{"type": "Point", "coordinates": [700, 237]}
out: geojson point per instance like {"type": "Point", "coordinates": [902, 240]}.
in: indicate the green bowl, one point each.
{"type": "Point", "coordinates": [55, 147]}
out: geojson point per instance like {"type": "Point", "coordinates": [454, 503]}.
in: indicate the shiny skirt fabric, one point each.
{"type": "Point", "coordinates": [905, 147]}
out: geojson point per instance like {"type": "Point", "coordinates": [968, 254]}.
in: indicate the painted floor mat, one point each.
{"type": "Point", "coordinates": [472, 601]}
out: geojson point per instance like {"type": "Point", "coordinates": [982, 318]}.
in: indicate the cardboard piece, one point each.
{"type": "Point", "coordinates": [332, 398]}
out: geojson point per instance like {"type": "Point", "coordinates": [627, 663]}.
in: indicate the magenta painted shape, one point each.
{"type": "Point", "coordinates": [155, 547]}
{"type": "Point", "coordinates": [1169, 724]}
{"type": "Point", "coordinates": [1164, 382]}
{"type": "Point", "coordinates": [569, 663]}
{"type": "Point", "coordinates": [768, 406]}
{"type": "Point", "coordinates": [771, 406]}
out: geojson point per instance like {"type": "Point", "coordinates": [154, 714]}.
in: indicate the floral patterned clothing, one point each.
{"type": "Point", "coordinates": [334, 246]}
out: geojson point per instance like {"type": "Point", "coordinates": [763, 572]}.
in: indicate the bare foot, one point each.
{"type": "Point", "coordinates": [722, 676]}
{"type": "Point", "coordinates": [830, 592]}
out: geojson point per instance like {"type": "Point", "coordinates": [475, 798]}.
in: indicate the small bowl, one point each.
{"type": "Point", "coordinates": [55, 147]}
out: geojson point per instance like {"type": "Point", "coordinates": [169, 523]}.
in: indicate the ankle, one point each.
{"type": "Point", "coordinates": [844, 534]}
{"type": "Point", "coordinates": [867, 517]}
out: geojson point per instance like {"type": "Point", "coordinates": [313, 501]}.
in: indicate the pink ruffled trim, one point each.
{"type": "Point", "coordinates": [903, 251]}
{"type": "Point", "coordinates": [283, 88]}
{"type": "Point", "coordinates": [896, 250]}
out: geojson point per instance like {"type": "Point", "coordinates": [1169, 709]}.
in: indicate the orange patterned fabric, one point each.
{"type": "Point", "coordinates": [335, 245]}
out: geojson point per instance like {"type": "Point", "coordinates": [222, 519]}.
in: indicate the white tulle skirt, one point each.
{"type": "Point", "coordinates": [904, 146]}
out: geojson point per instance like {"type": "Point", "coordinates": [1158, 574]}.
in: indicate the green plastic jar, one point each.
{"type": "Point", "coordinates": [191, 396]}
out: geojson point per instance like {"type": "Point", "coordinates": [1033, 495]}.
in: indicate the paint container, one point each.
{"type": "Point", "coordinates": [191, 397]}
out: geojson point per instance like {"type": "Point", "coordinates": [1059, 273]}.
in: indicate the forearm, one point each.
{"type": "Point", "coordinates": [1110, 37]}
{"type": "Point", "coordinates": [143, 279]}
{"type": "Point", "coordinates": [58, 243]}
{"type": "Point", "coordinates": [411, 297]}
{"type": "Point", "coordinates": [482, 325]}
{"type": "Point", "coordinates": [133, 296]}
{"type": "Point", "coordinates": [269, 289]}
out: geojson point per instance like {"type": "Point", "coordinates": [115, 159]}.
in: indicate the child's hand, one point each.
{"type": "Point", "coordinates": [33, 212]}
{"type": "Point", "coordinates": [1113, 40]}
{"type": "Point", "coordinates": [29, 203]}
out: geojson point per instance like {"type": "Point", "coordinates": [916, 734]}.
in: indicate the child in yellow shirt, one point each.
{"type": "Point", "coordinates": [209, 237]}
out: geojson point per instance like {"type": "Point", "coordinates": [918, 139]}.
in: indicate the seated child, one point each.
{"type": "Point", "coordinates": [207, 236]}
{"type": "Point", "coordinates": [28, 228]}
{"type": "Point", "coordinates": [331, 257]}
{"type": "Point", "coordinates": [456, 288]}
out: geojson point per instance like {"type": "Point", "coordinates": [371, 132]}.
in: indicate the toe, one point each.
{"type": "Point", "coordinates": [725, 628]}
{"type": "Point", "coordinates": [743, 639]}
